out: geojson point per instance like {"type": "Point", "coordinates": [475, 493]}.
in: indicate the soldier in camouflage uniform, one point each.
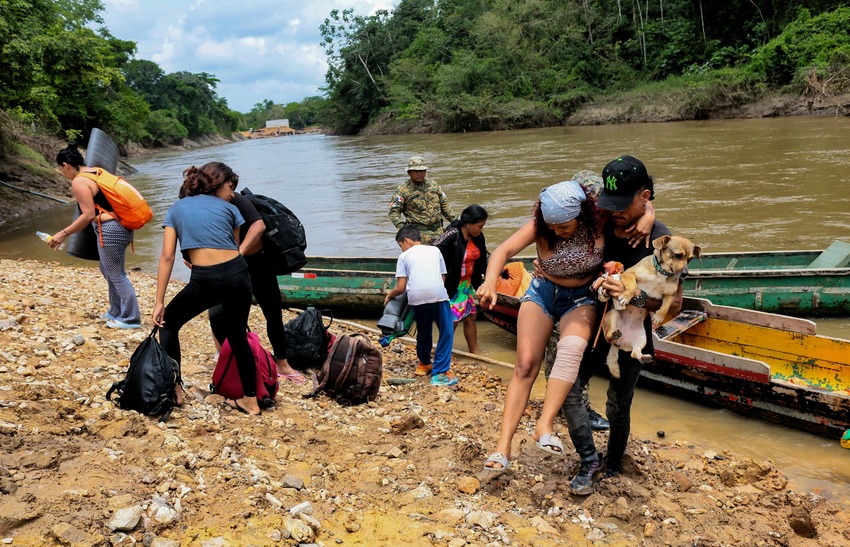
{"type": "Point", "coordinates": [420, 202]}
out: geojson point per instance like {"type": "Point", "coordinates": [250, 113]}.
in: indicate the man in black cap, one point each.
{"type": "Point", "coordinates": [627, 190]}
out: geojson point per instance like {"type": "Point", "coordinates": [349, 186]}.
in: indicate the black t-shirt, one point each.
{"type": "Point", "coordinates": [248, 211]}
{"type": "Point", "coordinates": [620, 250]}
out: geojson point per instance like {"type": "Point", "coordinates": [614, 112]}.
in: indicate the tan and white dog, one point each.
{"type": "Point", "coordinates": [658, 276]}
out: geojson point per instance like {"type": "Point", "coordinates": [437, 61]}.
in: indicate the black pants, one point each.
{"type": "Point", "coordinates": [229, 285]}
{"type": "Point", "coordinates": [267, 293]}
{"type": "Point", "coordinates": [618, 409]}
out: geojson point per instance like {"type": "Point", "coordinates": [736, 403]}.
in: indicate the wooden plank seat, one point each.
{"type": "Point", "coordinates": [837, 255]}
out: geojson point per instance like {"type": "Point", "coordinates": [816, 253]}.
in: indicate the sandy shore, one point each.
{"type": "Point", "coordinates": [75, 470]}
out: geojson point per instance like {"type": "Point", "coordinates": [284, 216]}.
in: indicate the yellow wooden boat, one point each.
{"type": "Point", "coordinates": [758, 364]}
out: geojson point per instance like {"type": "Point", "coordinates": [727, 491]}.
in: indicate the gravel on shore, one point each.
{"type": "Point", "coordinates": [402, 470]}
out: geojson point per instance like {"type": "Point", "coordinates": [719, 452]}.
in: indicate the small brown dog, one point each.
{"type": "Point", "coordinates": [658, 276]}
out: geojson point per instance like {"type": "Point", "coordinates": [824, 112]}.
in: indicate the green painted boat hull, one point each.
{"type": "Point", "coordinates": [810, 283]}
{"type": "Point", "coordinates": [814, 283]}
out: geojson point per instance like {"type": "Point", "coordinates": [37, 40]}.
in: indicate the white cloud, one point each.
{"type": "Point", "coordinates": [258, 49]}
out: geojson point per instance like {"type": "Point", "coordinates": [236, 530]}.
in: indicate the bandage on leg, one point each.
{"type": "Point", "coordinates": [567, 360]}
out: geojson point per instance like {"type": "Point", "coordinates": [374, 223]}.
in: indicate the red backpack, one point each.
{"type": "Point", "coordinates": [226, 381]}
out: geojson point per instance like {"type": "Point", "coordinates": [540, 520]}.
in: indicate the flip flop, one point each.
{"type": "Point", "coordinates": [551, 444]}
{"type": "Point", "coordinates": [295, 378]}
{"type": "Point", "coordinates": [499, 458]}
{"type": "Point", "coordinates": [237, 406]}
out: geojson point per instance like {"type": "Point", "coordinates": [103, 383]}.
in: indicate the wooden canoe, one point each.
{"type": "Point", "coordinates": [815, 283]}
{"type": "Point", "coordinates": [789, 282]}
{"type": "Point", "coordinates": [756, 364]}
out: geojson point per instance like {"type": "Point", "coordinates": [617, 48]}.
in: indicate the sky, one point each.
{"type": "Point", "coordinates": [258, 49]}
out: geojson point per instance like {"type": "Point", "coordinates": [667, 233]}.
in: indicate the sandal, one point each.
{"type": "Point", "coordinates": [551, 444]}
{"type": "Point", "coordinates": [499, 458]}
{"type": "Point", "coordinates": [240, 408]}
{"type": "Point", "coordinates": [295, 378]}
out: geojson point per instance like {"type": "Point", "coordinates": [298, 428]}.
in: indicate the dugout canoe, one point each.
{"type": "Point", "coordinates": [756, 364]}
{"type": "Point", "coordinates": [815, 283]}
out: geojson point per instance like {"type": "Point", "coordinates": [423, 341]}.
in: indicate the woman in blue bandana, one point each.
{"type": "Point", "coordinates": [566, 229]}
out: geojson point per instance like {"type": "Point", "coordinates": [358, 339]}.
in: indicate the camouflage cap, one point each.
{"type": "Point", "coordinates": [416, 163]}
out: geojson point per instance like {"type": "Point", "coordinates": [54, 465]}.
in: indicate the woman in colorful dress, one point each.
{"type": "Point", "coordinates": [463, 249]}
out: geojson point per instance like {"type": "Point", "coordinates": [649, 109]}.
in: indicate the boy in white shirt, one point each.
{"type": "Point", "coordinates": [421, 271]}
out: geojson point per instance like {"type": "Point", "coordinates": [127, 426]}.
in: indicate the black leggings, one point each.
{"type": "Point", "coordinates": [227, 284]}
{"type": "Point", "coordinates": [267, 293]}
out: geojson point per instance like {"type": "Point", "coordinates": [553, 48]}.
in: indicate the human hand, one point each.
{"type": "Point", "coordinates": [57, 239]}
{"type": "Point", "coordinates": [641, 230]}
{"type": "Point", "coordinates": [538, 271]}
{"type": "Point", "coordinates": [486, 294]}
{"type": "Point", "coordinates": [158, 312]}
{"type": "Point", "coordinates": [612, 286]}
{"type": "Point", "coordinates": [637, 234]}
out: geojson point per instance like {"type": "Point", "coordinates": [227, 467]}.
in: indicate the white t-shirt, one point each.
{"type": "Point", "coordinates": [424, 267]}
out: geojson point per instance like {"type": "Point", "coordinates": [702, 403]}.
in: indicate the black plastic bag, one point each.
{"type": "Point", "coordinates": [307, 339]}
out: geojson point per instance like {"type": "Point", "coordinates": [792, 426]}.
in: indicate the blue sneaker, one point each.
{"type": "Point", "coordinates": [107, 317]}
{"type": "Point", "coordinates": [116, 324]}
{"type": "Point", "coordinates": [444, 379]}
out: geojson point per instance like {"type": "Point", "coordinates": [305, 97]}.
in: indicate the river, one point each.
{"type": "Point", "coordinates": [734, 185]}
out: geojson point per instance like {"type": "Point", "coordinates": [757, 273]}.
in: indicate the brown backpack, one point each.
{"type": "Point", "coordinates": [351, 372]}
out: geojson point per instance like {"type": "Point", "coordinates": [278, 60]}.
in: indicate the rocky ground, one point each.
{"type": "Point", "coordinates": [75, 470]}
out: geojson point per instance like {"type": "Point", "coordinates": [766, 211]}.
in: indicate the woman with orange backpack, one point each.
{"type": "Point", "coordinates": [113, 238]}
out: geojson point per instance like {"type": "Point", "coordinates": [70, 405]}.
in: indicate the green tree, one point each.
{"type": "Point", "coordinates": [164, 127]}
{"type": "Point", "coordinates": [144, 77]}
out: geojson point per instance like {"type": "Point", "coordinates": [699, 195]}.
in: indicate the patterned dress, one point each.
{"type": "Point", "coordinates": [463, 302]}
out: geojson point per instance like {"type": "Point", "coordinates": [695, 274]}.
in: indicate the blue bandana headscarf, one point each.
{"type": "Point", "coordinates": [561, 202]}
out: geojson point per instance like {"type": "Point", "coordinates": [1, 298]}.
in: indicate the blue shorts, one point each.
{"type": "Point", "coordinates": [557, 301]}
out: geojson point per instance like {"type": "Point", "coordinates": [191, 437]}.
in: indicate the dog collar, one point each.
{"type": "Point", "coordinates": [658, 267]}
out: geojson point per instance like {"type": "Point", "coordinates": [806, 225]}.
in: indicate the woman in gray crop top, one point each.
{"type": "Point", "coordinates": [207, 226]}
{"type": "Point", "coordinates": [566, 229]}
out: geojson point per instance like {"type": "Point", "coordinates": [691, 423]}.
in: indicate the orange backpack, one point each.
{"type": "Point", "coordinates": [128, 205]}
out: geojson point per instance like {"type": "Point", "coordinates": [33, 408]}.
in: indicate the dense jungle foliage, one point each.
{"type": "Point", "coordinates": [456, 65]}
{"type": "Point", "coordinates": [438, 65]}
{"type": "Point", "coordinates": [60, 76]}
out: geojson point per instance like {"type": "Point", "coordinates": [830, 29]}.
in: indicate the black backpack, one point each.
{"type": "Point", "coordinates": [284, 240]}
{"type": "Point", "coordinates": [307, 339]}
{"type": "Point", "coordinates": [352, 373]}
{"type": "Point", "coordinates": [150, 386]}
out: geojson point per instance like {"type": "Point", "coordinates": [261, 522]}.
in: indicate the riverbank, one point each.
{"type": "Point", "coordinates": [28, 170]}
{"type": "Point", "coordinates": [655, 104]}
{"type": "Point", "coordinates": [402, 469]}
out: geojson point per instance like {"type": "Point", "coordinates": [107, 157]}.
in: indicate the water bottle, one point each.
{"type": "Point", "coordinates": [47, 238]}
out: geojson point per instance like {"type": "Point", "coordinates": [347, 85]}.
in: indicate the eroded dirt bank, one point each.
{"type": "Point", "coordinates": [74, 470]}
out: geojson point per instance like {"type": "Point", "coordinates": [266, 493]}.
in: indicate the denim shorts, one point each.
{"type": "Point", "coordinates": [557, 301]}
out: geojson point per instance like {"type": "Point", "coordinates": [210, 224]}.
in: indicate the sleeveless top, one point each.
{"type": "Point", "coordinates": [576, 256]}
{"type": "Point", "coordinates": [470, 256]}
